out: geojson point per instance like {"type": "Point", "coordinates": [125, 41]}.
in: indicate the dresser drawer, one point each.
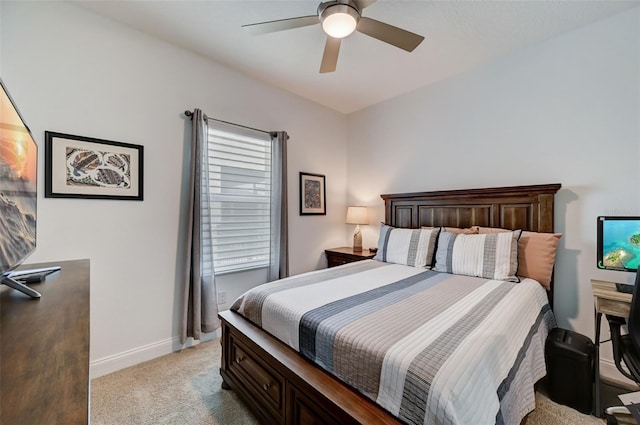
{"type": "Point", "coordinates": [261, 380]}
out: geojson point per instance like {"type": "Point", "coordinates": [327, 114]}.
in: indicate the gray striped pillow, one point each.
{"type": "Point", "coordinates": [411, 247]}
{"type": "Point", "coordinates": [489, 255]}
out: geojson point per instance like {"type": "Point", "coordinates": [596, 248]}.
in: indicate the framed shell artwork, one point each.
{"type": "Point", "coordinates": [88, 168]}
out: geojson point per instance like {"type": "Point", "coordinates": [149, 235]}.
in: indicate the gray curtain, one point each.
{"type": "Point", "coordinates": [279, 258]}
{"type": "Point", "coordinates": [200, 313]}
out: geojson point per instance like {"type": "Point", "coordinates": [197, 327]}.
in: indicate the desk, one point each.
{"type": "Point", "coordinates": [607, 301]}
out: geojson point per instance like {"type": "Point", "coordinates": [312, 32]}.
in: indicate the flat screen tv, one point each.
{"type": "Point", "coordinates": [18, 197]}
{"type": "Point", "coordinates": [618, 243]}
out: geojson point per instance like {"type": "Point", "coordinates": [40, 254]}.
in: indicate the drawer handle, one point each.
{"type": "Point", "coordinates": [266, 386]}
{"type": "Point", "coordinates": [239, 359]}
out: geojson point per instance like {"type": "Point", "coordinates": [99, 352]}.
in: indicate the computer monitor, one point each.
{"type": "Point", "coordinates": [618, 243]}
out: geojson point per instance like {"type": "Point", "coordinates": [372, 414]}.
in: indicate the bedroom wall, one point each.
{"type": "Point", "coordinates": [566, 111]}
{"type": "Point", "coordinates": [72, 71]}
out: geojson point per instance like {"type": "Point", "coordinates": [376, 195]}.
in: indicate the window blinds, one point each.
{"type": "Point", "coordinates": [236, 220]}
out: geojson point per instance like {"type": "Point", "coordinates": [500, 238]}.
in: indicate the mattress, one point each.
{"type": "Point", "coordinates": [429, 347]}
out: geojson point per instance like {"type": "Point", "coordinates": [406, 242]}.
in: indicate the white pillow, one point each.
{"type": "Point", "coordinates": [489, 255]}
{"type": "Point", "coordinates": [411, 247]}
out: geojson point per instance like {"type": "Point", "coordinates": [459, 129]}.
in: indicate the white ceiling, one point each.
{"type": "Point", "coordinates": [459, 35]}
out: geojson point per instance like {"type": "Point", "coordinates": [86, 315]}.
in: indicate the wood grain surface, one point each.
{"type": "Point", "coordinates": [44, 366]}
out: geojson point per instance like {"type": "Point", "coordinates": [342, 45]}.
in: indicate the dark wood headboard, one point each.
{"type": "Point", "coordinates": [515, 207]}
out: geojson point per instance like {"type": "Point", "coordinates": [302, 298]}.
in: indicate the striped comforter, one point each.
{"type": "Point", "coordinates": [429, 347]}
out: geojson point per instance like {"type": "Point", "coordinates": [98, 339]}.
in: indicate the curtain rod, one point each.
{"type": "Point", "coordinates": [190, 115]}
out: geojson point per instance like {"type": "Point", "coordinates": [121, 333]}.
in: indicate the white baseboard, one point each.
{"type": "Point", "coordinates": [115, 362]}
{"type": "Point", "coordinates": [609, 372]}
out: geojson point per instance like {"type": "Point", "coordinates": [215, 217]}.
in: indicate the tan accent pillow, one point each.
{"type": "Point", "coordinates": [457, 230]}
{"type": "Point", "coordinates": [482, 230]}
{"type": "Point", "coordinates": [536, 254]}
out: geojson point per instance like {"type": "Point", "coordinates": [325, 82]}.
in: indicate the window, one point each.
{"type": "Point", "coordinates": [236, 224]}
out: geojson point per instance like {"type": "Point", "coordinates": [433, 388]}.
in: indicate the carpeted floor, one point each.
{"type": "Point", "coordinates": [184, 388]}
{"type": "Point", "coordinates": [180, 388]}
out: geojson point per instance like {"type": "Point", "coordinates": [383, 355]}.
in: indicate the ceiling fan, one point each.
{"type": "Point", "coordinates": [339, 19]}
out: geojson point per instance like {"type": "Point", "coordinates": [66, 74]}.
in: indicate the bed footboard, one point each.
{"type": "Point", "coordinates": [281, 387]}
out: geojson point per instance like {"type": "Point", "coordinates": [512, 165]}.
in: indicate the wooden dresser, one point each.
{"type": "Point", "coordinates": [44, 346]}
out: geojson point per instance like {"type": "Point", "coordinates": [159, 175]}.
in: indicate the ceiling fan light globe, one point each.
{"type": "Point", "coordinates": [339, 25]}
{"type": "Point", "coordinates": [340, 20]}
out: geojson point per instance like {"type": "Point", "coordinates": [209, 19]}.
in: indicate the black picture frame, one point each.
{"type": "Point", "coordinates": [313, 194]}
{"type": "Point", "coordinates": [90, 168]}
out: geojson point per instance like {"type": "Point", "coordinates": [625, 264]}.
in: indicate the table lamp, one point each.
{"type": "Point", "coordinates": [357, 216]}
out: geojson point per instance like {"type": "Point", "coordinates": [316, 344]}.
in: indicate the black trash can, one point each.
{"type": "Point", "coordinates": [570, 369]}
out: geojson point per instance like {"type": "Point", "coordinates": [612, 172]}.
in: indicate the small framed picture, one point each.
{"type": "Point", "coordinates": [88, 168]}
{"type": "Point", "coordinates": [312, 194]}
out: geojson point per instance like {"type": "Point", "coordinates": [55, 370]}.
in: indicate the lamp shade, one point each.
{"type": "Point", "coordinates": [357, 215]}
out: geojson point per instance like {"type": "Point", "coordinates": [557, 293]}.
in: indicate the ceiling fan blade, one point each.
{"type": "Point", "coordinates": [389, 34]}
{"type": "Point", "coordinates": [282, 24]}
{"type": "Point", "coordinates": [330, 56]}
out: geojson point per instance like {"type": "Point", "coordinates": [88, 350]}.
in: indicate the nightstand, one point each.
{"type": "Point", "coordinates": [346, 254]}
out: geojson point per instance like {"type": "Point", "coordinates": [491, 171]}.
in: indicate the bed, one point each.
{"type": "Point", "coordinates": [265, 368]}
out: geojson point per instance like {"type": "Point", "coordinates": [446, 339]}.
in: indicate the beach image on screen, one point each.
{"type": "Point", "coordinates": [621, 244]}
{"type": "Point", "coordinates": [18, 162]}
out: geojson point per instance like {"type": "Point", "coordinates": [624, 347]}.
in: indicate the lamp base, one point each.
{"type": "Point", "coordinates": [357, 240]}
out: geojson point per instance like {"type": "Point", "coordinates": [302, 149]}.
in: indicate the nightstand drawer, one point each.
{"type": "Point", "coordinates": [333, 261]}
{"type": "Point", "coordinates": [344, 255]}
